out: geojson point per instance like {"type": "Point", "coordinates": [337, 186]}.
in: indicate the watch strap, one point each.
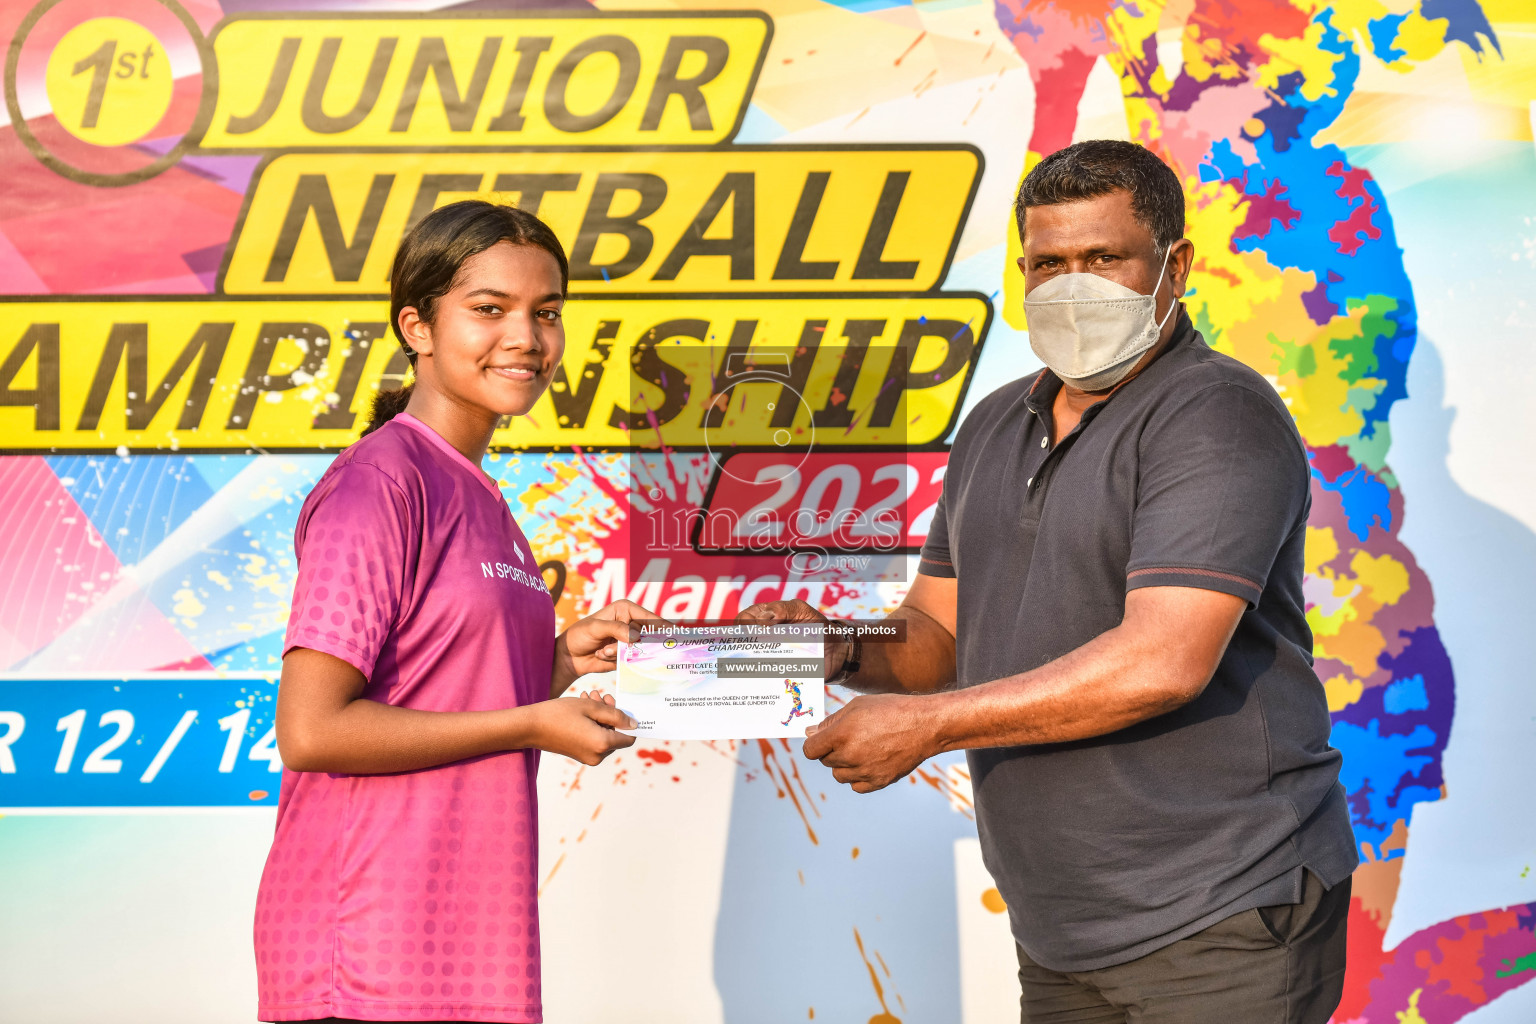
{"type": "Point", "coordinates": [850, 661]}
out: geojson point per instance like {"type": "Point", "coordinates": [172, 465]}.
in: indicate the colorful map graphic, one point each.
{"type": "Point", "coordinates": [1298, 273]}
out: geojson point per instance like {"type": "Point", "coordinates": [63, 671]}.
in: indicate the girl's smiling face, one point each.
{"type": "Point", "coordinates": [496, 335]}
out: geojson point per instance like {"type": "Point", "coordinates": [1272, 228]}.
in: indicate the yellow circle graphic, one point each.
{"type": "Point", "coordinates": [109, 81]}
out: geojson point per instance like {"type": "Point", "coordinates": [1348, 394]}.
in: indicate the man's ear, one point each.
{"type": "Point", "coordinates": [416, 331]}
{"type": "Point", "coordinates": [1180, 262]}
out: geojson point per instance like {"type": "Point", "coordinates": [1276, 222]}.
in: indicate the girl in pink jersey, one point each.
{"type": "Point", "coordinates": [421, 663]}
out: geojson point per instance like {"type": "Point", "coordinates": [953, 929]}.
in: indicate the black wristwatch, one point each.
{"type": "Point", "coordinates": [850, 661]}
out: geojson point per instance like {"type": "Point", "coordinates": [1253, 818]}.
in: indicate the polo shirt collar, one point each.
{"type": "Point", "coordinates": [1042, 392]}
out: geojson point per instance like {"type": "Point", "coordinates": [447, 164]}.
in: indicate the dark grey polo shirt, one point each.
{"type": "Point", "coordinates": [1190, 475]}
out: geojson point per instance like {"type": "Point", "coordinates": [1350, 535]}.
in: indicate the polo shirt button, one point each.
{"type": "Point", "coordinates": [1029, 482]}
{"type": "Point", "coordinates": [1042, 442]}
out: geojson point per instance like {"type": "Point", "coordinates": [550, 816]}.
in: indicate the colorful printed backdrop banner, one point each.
{"type": "Point", "coordinates": [199, 202]}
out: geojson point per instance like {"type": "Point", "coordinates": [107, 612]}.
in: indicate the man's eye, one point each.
{"type": "Point", "coordinates": [550, 314]}
{"type": "Point", "coordinates": [488, 310]}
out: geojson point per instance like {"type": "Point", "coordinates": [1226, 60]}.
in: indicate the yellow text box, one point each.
{"type": "Point", "coordinates": [483, 78]}
{"type": "Point", "coordinates": [747, 218]}
{"type": "Point", "coordinates": [300, 374]}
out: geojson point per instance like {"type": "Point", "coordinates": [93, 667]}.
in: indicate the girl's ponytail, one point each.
{"type": "Point", "coordinates": [387, 405]}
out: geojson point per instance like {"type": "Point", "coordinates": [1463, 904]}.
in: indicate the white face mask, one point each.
{"type": "Point", "coordinates": [1089, 330]}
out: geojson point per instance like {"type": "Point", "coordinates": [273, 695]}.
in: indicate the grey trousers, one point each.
{"type": "Point", "coordinates": [1272, 965]}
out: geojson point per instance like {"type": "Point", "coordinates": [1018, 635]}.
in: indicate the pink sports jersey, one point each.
{"type": "Point", "coordinates": [411, 896]}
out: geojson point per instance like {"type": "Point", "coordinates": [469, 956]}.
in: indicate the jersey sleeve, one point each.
{"type": "Point", "coordinates": [1223, 483]}
{"type": "Point", "coordinates": [936, 559]}
{"type": "Point", "coordinates": [352, 543]}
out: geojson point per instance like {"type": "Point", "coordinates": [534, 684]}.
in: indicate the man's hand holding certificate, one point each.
{"type": "Point", "coordinates": [727, 681]}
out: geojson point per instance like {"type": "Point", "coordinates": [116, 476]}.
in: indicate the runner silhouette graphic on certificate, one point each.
{"type": "Point", "coordinates": [797, 708]}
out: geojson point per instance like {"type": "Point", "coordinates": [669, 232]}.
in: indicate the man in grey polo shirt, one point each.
{"type": "Point", "coordinates": [1109, 618]}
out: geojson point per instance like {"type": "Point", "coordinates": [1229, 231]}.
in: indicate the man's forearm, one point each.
{"type": "Point", "coordinates": [924, 662]}
{"type": "Point", "coordinates": [1160, 657]}
{"type": "Point", "coordinates": [1111, 683]}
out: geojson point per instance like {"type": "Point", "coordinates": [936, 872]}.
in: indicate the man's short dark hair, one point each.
{"type": "Point", "coordinates": [1098, 167]}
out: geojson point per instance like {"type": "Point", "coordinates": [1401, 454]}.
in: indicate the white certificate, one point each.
{"type": "Point", "coordinates": [719, 683]}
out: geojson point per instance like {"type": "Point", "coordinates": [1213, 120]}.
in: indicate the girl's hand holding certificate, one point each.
{"type": "Point", "coordinates": [583, 728]}
{"type": "Point", "coordinates": [592, 644]}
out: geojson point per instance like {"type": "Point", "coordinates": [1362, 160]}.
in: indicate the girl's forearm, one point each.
{"type": "Point", "coordinates": [366, 737]}
{"type": "Point", "coordinates": [563, 672]}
